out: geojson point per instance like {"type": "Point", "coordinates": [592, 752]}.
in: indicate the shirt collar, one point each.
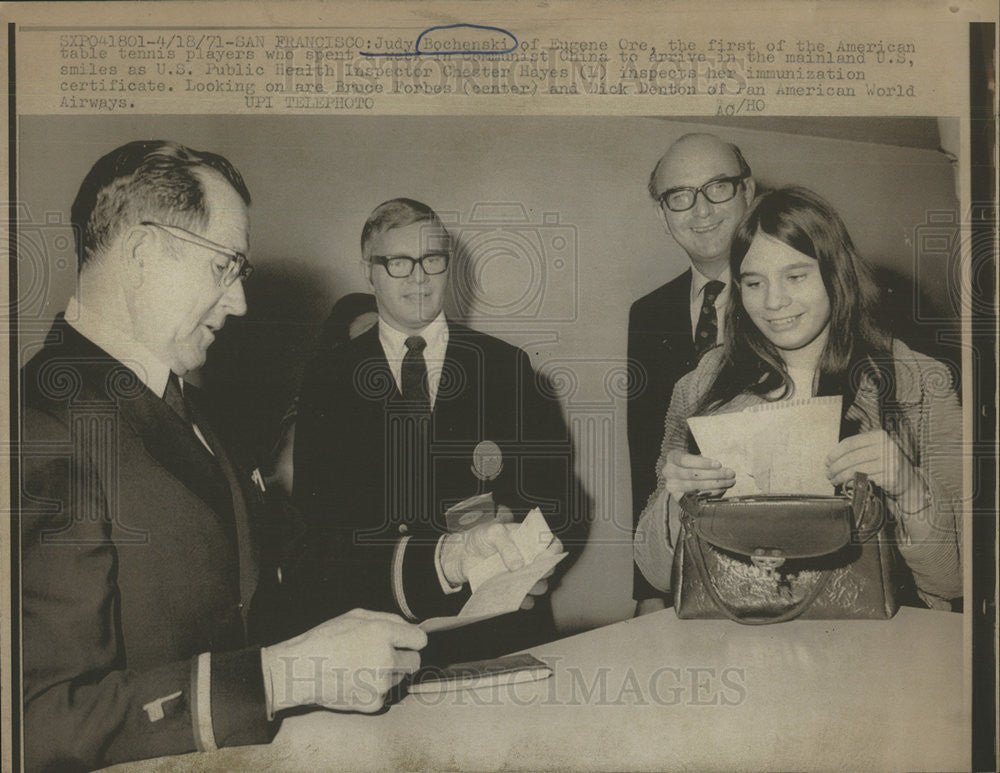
{"type": "Point", "coordinates": [152, 371]}
{"type": "Point", "coordinates": [394, 341]}
{"type": "Point", "coordinates": [699, 280]}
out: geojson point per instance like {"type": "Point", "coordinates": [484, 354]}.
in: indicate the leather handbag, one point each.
{"type": "Point", "coordinates": [767, 559]}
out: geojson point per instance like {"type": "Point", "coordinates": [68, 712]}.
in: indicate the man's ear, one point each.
{"type": "Point", "coordinates": [749, 189]}
{"type": "Point", "coordinates": [366, 272]}
{"type": "Point", "coordinates": [663, 219]}
{"type": "Point", "coordinates": [136, 252]}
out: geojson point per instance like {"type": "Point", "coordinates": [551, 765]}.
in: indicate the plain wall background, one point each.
{"type": "Point", "coordinates": [558, 238]}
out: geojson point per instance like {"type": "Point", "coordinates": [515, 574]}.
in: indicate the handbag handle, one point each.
{"type": "Point", "coordinates": [866, 506]}
{"type": "Point", "coordinates": [706, 580]}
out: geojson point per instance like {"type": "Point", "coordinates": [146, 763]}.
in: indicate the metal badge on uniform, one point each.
{"type": "Point", "coordinates": [487, 464]}
{"type": "Point", "coordinates": [487, 460]}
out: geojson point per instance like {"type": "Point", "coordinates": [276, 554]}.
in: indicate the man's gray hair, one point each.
{"type": "Point", "coordinates": [140, 180]}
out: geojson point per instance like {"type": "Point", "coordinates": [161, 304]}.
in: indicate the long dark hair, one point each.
{"type": "Point", "coordinates": [751, 363]}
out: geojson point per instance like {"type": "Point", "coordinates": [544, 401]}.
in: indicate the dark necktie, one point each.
{"type": "Point", "coordinates": [708, 322]}
{"type": "Point", "coordinates": [414, 375]}
{"type": "Point", "coordinates": [174, 397]}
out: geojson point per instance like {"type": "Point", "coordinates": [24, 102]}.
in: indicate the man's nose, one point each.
{"type": "Point", "coordinates": [235, 299]}
{"type": "Point", "coordinates": [702, 206]}
{"type": "Point", "coordinates": [418, 274]}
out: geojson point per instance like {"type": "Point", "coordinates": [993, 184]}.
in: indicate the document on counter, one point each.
{"type": "Point", "coordinates": [774, 448]}
{"type": "Point", "coordinates": [508, 669]}
{"type": "Point", "coordinates": [497, 591]}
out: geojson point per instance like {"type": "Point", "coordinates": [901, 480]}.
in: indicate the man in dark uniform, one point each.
{"type": "Point", "coordinates": [413, 418]}
{"type": "Point", "coordinates": [143, 539]}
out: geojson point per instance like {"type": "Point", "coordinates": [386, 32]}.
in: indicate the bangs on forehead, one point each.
{"type": "Point", "coordinates": [788, 228]}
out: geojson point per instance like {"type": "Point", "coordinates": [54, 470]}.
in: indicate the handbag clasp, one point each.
{"type": "Point", "coordinates": [768, 560]}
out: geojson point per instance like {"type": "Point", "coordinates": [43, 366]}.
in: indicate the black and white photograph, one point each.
{"type": "Point", "coordinates": [522, 440]}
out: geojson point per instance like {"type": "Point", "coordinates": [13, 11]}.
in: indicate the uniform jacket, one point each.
{"type": "Point", "coordinates": [140, 551]}
{"type": "Point", "coordinates": [367, 472]}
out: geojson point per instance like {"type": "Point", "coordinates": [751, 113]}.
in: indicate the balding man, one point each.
{"type": "Point", "coordinates": [143, 539]}
{"type": "Point", "coordinates": [702, 187]}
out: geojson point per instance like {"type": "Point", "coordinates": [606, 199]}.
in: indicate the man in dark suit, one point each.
{"type": "Point", "coordinates": [143, 543]}
{"type": "Point", "coordinates": [702, 187]}
{"type": "Point", "coordinates": [415, 417]}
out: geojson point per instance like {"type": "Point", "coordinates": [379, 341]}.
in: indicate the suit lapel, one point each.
{"type": "Point", "coordinates": [459, 410]}
{"type": "Point", "coordinates": [370, 369]}
{"type": "Point", "coordinates": [675, 318]}
{"type": "Point", "coordinates": [241, 502]}
{"type": "Point", "coordinates": [173, 444]}
{"type": "Point", "coordinates": [403, 440]}
{"type": "Point", "coordinates": [163, 433]}
{"type": "Point", "coordinates": [171, 441]}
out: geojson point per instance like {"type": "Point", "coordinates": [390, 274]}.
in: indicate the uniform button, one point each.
{"type": "Point", "coordinates": [403, 528]}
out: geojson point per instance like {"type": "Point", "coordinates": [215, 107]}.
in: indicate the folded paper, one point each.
{"type": "Point", "coordinates": [774, 448]}
{"type": "Point", "coordinates": [497, 591]}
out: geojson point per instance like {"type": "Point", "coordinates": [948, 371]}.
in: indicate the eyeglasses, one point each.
{"type": "Point", "coordinates": [717, 191]}
{"type": "Point", "coordinates": [401, 266]}
{"type": "Point", "coordinates": [238, 266]}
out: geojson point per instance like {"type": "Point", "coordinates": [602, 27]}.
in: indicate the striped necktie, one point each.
{"type": "Point", "coordinates": [708, 322]}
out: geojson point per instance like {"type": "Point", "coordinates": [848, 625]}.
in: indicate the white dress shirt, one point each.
{"type": "Point", "coordinates": [394, 345]}
{"type": "Point", "coordinates": [698, 282]}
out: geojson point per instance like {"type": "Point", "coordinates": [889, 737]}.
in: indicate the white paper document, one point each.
{"type": "Point", "coordinates": [774, 448]}
{"type": "Point", "coordinates": [497, 591]}
{"type": "Point", "coordinates": [532, 536]}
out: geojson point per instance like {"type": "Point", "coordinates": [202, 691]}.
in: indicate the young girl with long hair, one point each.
{"type": "Point", "coordinates": [800, 323]}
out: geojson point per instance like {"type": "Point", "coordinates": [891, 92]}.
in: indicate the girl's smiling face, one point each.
{"type": "Point", "coordinates": [783, 293]}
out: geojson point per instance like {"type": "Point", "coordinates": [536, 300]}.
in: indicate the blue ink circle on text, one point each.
{"type": "Point", "coordinates": [469, 52]}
